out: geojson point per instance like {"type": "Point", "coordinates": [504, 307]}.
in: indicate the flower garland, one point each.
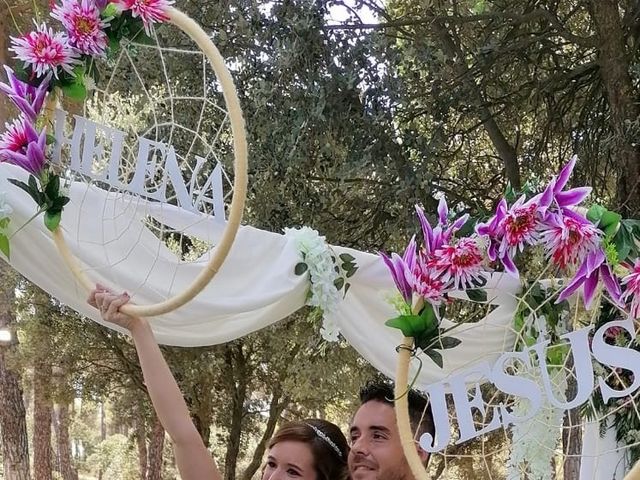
{"type": "Point", "coordinates": [600, 247]}
{"type": "Point", "coordinates": [50, 61]}
{"type": "Point", "coordinates": [327, 275]}
{"type": "Point", "coordinates": [598, 253]}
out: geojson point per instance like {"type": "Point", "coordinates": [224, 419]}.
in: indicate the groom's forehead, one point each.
{"type": "Point", "coordinates": [373, 414]}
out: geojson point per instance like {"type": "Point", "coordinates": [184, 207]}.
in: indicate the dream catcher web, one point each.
{"type": "Point", "coordinates": [554, 443]}
{"type": "Point", "coordinates": [160, 222]}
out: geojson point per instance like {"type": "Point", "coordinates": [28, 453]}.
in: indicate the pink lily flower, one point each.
{"type": "Point", "coordinates": [27, 98]}
{"type": "Point", "coordinates": [588, 275]}
{"type": "Point", "coordinates": [401, 268]}
{"type": "Point", "coordinates": [21, 145]}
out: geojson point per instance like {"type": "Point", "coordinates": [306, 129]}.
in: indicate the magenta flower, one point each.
{"type": "Point", "coordinates": [149, 11]}
{"type": "Point", "coordinates": [22, 146]}
{"type": "Point", "coordinates": [435, 237]}
{"type": "Point", "coordinates": [510, 229]}
{"type": "Point", "coordinates": [568, 198]}
{"type": "Point", "coordinates": [85, 28]}
{"type": "Point", "coordinates": [45, 51]}
{"type": "Point", "coordinates": [425, 281]}
{"type": "Point", "coordinates": [593, 268]}
{"type": "Point", "coordinates": [569, 238]}
{"type": "Point", "coordinates": [632, 290]}
{"type": "Point", "coordinates": [460, 265]}
{"type": "Point", "coordinates": [27, 98]}
{"type": "Point", "coordinates": [401, 268]}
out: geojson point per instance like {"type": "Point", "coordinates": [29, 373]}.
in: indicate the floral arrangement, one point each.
{"type": "Point", "coordinates": [328, 275]}
{"type": "Point", "coordinates": [51, 62]}
{"type": "Point", "coordinates": [598, 246]}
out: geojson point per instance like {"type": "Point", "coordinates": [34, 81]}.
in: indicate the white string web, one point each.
{"type": "Point", "coordinates": [163, 91]}
{"type": "Point", "coordinates": [555, 443]}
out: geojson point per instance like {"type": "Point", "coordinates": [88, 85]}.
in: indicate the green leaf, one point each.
{"type": "Point", "coordinates": [352, 272]}
{"type": "Point", "coordinates": [76, 92]}
{"type": "Point", "coordinates": [477, 295]}
{"type": "Point", "coordinates": [345, 257]}
{"type": "Point", "coordinates": [480, 281]}
{"type": "Point", "coordinates": [114, 45]}
{"type": "Point", "coordinates": [348, 266]}
{"type": "Point", "coordinates": [4, 245]}
{"type": "Point", "coordinates": [408, 324]}
{"type": "Point", "coordinates": [52, 220]}
{"type": "Point", "coordinates": [609, 218]}
{"type": "Point", "coordinates": [623, 242]}
{"type": "Point", "coordinates": [556, 354]}
{"type": "Point", "coordinates": [33, 183]}
{"type": "Point", "coordinates": [20, 184]}
{"type": "Point", "coordinates": [110, 11]}
{"type": "Point", "coordinates": [435, 356]}
{"type": "Point", "coordinates": [448, 342]}
{"type": "Point", "coordinates": [53, 187]}
{"type": "Point", "coordinates": [35, 194]}
{"type": "Point", "coordinates": [595, 213]}
{"type": "Point", "coordinates": [509, 193]}
{"type": "Point", "coordinates": [339, 283]}
{"type": "Point", "coordinates": [346, 288]}
{"type": "Point", "coordinates": [301, 268]}
{"type": "Point", "coordinates": [50, 139]}
{"type": "Point", "coordinates": [4, 222]}
{"type": "Point", "coordinates": [60, 202]}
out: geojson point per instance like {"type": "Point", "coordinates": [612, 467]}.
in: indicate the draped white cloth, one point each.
{"type": "Point", "coordinates": [256, 286]}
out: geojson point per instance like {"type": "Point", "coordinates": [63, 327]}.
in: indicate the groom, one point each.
{"type": "Point", "coordinates": [376, 452]}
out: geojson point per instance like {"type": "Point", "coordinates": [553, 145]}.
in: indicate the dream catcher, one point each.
{"type": "Point", "coordinates": [146, 175]}
{"type": "Point", "coordinates": [568, 372]}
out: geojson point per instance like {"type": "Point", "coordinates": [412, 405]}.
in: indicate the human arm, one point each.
{"type": "Point", "coordinates": [192, 457]}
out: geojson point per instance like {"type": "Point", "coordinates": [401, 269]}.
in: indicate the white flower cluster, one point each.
{"type": "Point", "coordinates": [317, 255]}
{"type": "Point", "coordinates": [534, 442]}
{"type": "Point", "coordinates": [5, 208]}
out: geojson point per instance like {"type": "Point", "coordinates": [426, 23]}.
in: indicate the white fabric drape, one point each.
{"type": "Point", "coordinates": [256, 286]}
{"type": "Point", "coordinates": [603, 458]}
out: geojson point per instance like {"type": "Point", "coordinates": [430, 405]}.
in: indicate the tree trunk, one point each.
{"type": "Point", "coordinates": [42, 385]}
{"type": "Point", "coordinates": [624, 102]}
{"type": "Point", "coordinates": [61, 426]}
{"type": "Point", "coordinates": [13, 424]}
{"type": "Point", "coordinates": [141, 441]}
{"type": "Point", "coordinates": [275, 409]}
{"type": "Point", "coordinates": [236, 362]}
{"type": "Point", "coordinates": [572, 431]}
{"type": "Point", "coordinates": [42, 409]}
{"type": "Point", "coordinates": [103, 431]}
{"type": "Point", "coordinates": [156, 445]}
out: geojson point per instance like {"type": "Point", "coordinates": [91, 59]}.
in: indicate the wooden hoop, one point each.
{"type": "Point", "coordinates": [240, 167]}
{"type": "Point", "coordinates": [402, 410]}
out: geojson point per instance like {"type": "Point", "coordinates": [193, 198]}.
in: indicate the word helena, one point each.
{"type": "Point", "coordinates": [156, 166]}
{"type": "Point", "coordinates": [465, 401]}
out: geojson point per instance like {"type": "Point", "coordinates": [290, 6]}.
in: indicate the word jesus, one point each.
{"type": "Point", "coordinates": [156, 165]}
{"type": "Point", "coordinates": [582, 350]}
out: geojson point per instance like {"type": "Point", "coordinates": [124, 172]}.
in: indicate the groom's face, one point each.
{"type": "Point", "coordinates": [376, 452]}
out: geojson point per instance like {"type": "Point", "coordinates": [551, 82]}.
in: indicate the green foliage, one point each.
{"type": "Point", "coordinates": [115, 457]}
